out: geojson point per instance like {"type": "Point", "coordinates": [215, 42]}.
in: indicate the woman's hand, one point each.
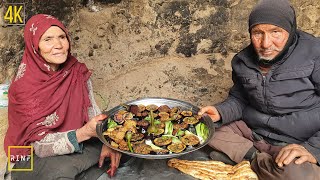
{"type": "Point", "coordinates": [89, 129]}
{"type": "Point", "coordinates": [292, 151]}
{"type": "Point", "coordinates": [114, 157]}
{"type": "Point", "coordinates": [211, 111]}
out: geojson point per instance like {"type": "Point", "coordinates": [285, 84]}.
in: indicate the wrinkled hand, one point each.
{"type": "Point", "coordinates": [292, 151]}
{"type": "Point", "coordinates": [114, 157]}
{"type": "Point", "coordinates": [89, 129]}
{"type": "Point", "coordinates": [211, 111]}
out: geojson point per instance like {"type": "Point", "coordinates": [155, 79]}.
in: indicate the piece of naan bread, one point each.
{"type": "Point", "coordinates": [214, 170]}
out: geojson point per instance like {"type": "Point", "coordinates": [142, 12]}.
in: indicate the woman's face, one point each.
{"type": "Point", "coordinates": [54, 46]}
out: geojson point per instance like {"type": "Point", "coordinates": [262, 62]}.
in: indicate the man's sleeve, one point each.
{"type": "Point", "coordinates": [313, 143]}
{"type": "Point", "coordinates": [313, 146]}
{"type": "Point", "coordinates": [231, 109]}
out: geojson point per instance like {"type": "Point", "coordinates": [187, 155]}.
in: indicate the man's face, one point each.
{"type": "Point", "coordinates": [268, 40]}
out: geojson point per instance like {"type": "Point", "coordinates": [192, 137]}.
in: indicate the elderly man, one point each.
{"type": "Point", "coordinates": [272, 113]}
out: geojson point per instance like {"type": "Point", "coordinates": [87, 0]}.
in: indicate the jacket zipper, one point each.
{"type": "Point", "coordinates": [264, 91]}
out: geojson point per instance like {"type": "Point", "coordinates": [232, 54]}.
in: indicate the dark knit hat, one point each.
{"type": "Point", "coordinates": [275, 12]}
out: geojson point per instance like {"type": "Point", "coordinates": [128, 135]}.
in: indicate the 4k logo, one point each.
{"type": "Point", "coordinates": [14, 14]}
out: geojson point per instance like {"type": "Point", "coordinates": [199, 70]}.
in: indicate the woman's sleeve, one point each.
{"type": "Point", "coordinates": [57, 144]}
{"type": "Point", "coordinates": [65, 142]}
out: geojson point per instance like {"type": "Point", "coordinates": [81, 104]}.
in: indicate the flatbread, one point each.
{"type": "Point", "coordinates": [214, 170]}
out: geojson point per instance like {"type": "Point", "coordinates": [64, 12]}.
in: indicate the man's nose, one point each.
{"type": "Point", "coordinates": [266, 41]}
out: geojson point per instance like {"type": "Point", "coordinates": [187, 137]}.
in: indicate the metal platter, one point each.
{"type": "Point", "coordinates": [157, 101]}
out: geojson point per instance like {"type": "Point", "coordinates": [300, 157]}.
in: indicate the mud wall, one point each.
{"type": "Point", "coordinates": [152, 48]}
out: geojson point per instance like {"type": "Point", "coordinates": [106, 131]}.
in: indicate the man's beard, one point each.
{"type": "Point", "coordinates": [263, 58]}
{"type": "Point", "coordinates": [267, 61]}
{"type": "Point", "coordinates": [268, 58]}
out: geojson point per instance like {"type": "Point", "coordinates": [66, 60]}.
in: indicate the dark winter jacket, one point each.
{"type": "Point", "coordinates": [285, 103]}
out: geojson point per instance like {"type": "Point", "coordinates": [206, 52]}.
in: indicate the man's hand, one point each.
{"type": "Point", "coordinates": [89, 129]}
{"type": "Point", "coordinates": [292, 151]}
{"type": "Point", "coordinates": [114, 157]}
{"type": "Point", "coordinates": [211, 111]}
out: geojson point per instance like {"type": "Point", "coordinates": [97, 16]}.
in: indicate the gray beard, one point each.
{"type": "Point", "coordinates": [265, 62]}
{"type": "Point", "coordinates": [265, 58]}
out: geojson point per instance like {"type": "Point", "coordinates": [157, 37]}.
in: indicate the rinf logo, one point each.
{"type": "Point", "coordinates": [16, 158]}
{"type": "Point", "coordinates": [14, 14]}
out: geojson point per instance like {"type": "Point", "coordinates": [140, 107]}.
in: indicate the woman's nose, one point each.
{"type": "Point", "coordinates": [58, 43]}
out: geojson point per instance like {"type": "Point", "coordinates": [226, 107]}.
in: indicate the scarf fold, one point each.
{"type": "Point", "coordinates": [42, 101]}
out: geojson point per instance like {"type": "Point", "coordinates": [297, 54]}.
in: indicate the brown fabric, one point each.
{"type": "Point", "coordinates": [266, 168]}
{"type": "Point", "coordinates": [231, 140]}
{"type": "Point", "coordinates": [241, 129]}
{"type": "Point", "coordinates": [235, 139]}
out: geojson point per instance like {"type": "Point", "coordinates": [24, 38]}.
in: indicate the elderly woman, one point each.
{"type": "Point", "coordinates": [51, 107]}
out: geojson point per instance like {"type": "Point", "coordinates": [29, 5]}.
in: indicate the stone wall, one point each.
{"type": "Point", "coordinates": [140, 48]}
